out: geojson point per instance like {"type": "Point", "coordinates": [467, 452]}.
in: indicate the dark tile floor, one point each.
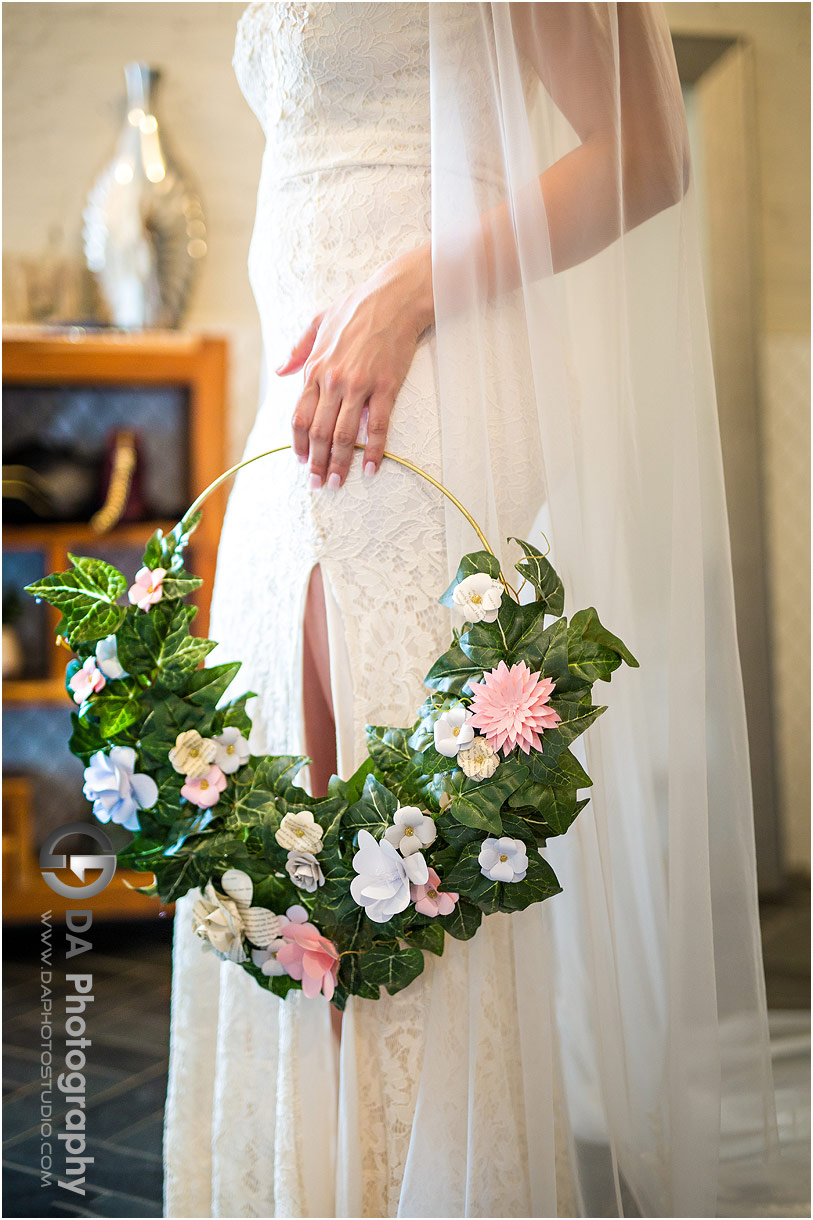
{"type": "Point", "coordinates": [127, 1063]}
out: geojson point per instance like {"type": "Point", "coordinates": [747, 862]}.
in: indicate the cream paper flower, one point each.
{"type": "Point", "coordinates": [300, 832]}
{"type": "Point", "coordinates": [479, 760]}
{"type": "Point", "coordinates": [478, 597]}
{"type": "Point", "coordinates": [217, 921]}
{"type": "Point", "coordinates": [411, 830]}
{"type": "Point", "coordinates": [192, 755]}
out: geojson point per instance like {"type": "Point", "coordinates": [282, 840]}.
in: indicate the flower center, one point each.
{"type": "Point", "coordinates": [476, 598]}
{"type": "Point", "coordinates": [299, 832]}
{"type": "Point", "coordinates": [455, 731]}
{"type": "Point", "coordinates": [431, 893]}
{"type": "Point", "coordinates": [503, 859]}
{"type": "Point", "coordinates": [229, 749]}
{"type": "Point", "coordinates": [194, 752]}
{"type": "Point", "coordinates": [204, 783]}
{"type": "Point", "coordinates": [408, 830]}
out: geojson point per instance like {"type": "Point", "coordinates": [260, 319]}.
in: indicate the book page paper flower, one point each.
{"type": "Point", "coordinates": [217, 921]}
{"type": "Point", "coordinates": [510, 707]}
{"type": "Point", "coordinates": [479, 760]}
{"type": "Point", "coordinates": [300, 832]}
{"type": "Point", "coordinates": [192, 754]}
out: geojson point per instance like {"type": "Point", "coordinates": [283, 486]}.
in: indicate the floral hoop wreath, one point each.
{"type": "Point", "coordinates": [442, 823]}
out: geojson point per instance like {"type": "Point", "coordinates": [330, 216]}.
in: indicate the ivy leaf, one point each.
{"type": "Point", "coordinates": [536, 569]}
{"type": "Point", "coordinates": [374, 811]}
{"type": "Point", "coordinates": [87, 597]}
{"type": "Point", "coordinates": [169, 717]}
{"type": "Point", "coordinates": [389, 749]}
{"type": "Point", "coordinates": [430, 937]}
{"type": "Point", "coordinates": [593, 651]}
{"type": "Point", "coordinates": [540, 882]}
{"type": "Point", "coordinates": [533, 641]}
{"type": "Point", "coordinates": [576, 718]}
{"type": "Point", "coordinates": [393, 969]}
{"type": "Point", "coordinates": [463, 921]}
{"type": "Point", "coordinates": [167, 552]}
{"type": "Point", "coordinates": [87, 737]}
{"type": "Point", "coordinates": [180, 586]}
{"type": "Point", "coordinates": [476, 561]}
{"type": "Point", "coordinates": [477, 803]}
{"type": "Point", "coordinates": [452, 671]}
{"type": "Point", "coordinates": [205, 686]}
{"type": "Point", "coordinates": [234, 714]}
{"type": "Point", "coordinates": [486, 644]}
{"type": "Point", "coordinates": [276, 772]}
{"type": "Point", "coordinates": [116, 711]}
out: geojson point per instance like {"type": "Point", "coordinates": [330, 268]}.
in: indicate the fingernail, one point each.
{"type": "Point", "coordinates": [369, 469]}
{"type": "Point", "coordinates": [302, 457]}
{"type": "Point", "coordinates": [315, 482]}
{"type": "Point", "coordinates": [334, 481]}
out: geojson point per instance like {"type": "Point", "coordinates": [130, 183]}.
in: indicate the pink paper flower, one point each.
{"type": "Point", "coordinates": [205, 791]}
{"type": "Point", "coordinates": [87, 680]}
{"type": "Point", "coordinates": [147, 589]}
{"type": "Point", "coordinates": [509, 707]}
{"type": "Point", "coordinates": [430, 900]}
{"type": "Point", "coordinates": [307, 956]}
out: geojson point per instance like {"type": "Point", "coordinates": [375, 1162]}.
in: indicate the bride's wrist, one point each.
{"type": "Point", "coordinates": [414, 271]}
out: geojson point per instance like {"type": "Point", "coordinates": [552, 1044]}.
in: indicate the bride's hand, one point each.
{"type": "Point", "coordinates": [356, 353]}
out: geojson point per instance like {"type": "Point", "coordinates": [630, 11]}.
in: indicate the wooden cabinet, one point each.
{"type": "Point", "coordinates": [192, 366]}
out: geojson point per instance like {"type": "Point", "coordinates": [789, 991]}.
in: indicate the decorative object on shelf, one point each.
{"type": "Point", "coordinates": [343, 894]}
{"type": "Point", "coordinates": [144, 231]}
{"type": "Point", "coordinates": [124, 497]}
{"type": "Point", "coordinates": [45, 481]}
{"type": "Point", "coordinates": [13, 654]}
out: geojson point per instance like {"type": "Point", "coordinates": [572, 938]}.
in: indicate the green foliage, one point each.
{"type": "Point", "coordinates": [168, 690]}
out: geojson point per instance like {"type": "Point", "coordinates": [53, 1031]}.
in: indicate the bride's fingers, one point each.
{"type": "Point", "coordinates": [321, 436]}
{"type": "Point", "coordinates": [344, 440]}
{"type": "Point", "coordinates": [301, 349]}
{"type": "Point", "coordinates": [378, 422]}
{"type": "Point", "coordinates": [302, 420]}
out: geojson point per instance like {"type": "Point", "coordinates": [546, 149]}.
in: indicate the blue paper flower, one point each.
{"type": "Point", "coordinates": [116, 790]}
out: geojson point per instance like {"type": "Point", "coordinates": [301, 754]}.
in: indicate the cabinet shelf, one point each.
{"type": "Point", "coordinates": [30, 537]}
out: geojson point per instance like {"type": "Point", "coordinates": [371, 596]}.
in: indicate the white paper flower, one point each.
{"type": "Point", "coordinates": [117, 790]}
{"type": "Point", "coordinates": [479, 760]}
{"type": "Point", "coordinates": [452, 731]}
{"type": "Point", "coordinates": [217, 921]}
{"type": "Point", "coordinates": [107, 658]}
{"type": "Point", "coordinates": [503, 859]}
{"type": "Point", "coordinates": [411, 830]}
{"type": "Point", "coordinates": [382, 884]}
{"type": "Point", "coordinates": [299, 832]}
{"type": "Point", "coordinates": [266, 958]}
{"type": "Point", "coordinates": [232, 750]}
{"type": "Point", "coordinates": [479, 597]}
{"type": "Point", "coordinates": [192, 755]}
{"type": "Point", "coordinates": [303, 869]}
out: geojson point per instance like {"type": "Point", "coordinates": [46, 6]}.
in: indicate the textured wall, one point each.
{"type": "Point", "coordinates": [779, 35]}
{"type": "Point", "coordinates": [63, 103]}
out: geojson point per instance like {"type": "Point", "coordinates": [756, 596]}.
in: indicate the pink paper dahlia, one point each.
{"type": "Point", "coordinates": [510, 707]}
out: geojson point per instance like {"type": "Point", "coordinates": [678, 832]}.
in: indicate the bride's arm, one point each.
{"type": "Point", "coordinates": [632, 162]}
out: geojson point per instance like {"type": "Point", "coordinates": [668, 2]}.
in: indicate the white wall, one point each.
{"type": "Point", "coordinates": [63, 95]}
{"type": "Point", "coordinates": [779, 35]}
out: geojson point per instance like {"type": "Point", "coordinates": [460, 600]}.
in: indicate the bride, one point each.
{"type": "Point", "coordinates": [476, 247]}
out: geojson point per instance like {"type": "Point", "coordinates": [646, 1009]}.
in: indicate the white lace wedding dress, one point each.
{"type": "Point", "coordinates": [442, 1098]}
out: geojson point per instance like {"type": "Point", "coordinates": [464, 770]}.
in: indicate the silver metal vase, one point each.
{"type": "Point", "coordinates": [144, 231]}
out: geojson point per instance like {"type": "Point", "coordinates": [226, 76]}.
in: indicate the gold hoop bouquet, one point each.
{"type": "Point", "coordinates": [444, 822]}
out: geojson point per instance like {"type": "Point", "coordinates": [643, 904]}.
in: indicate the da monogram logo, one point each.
{"type": "Point", "coordinates": [105, 860]}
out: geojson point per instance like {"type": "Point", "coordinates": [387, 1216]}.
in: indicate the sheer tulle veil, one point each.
{"type": "Point", "coordinates": [566, 271]}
